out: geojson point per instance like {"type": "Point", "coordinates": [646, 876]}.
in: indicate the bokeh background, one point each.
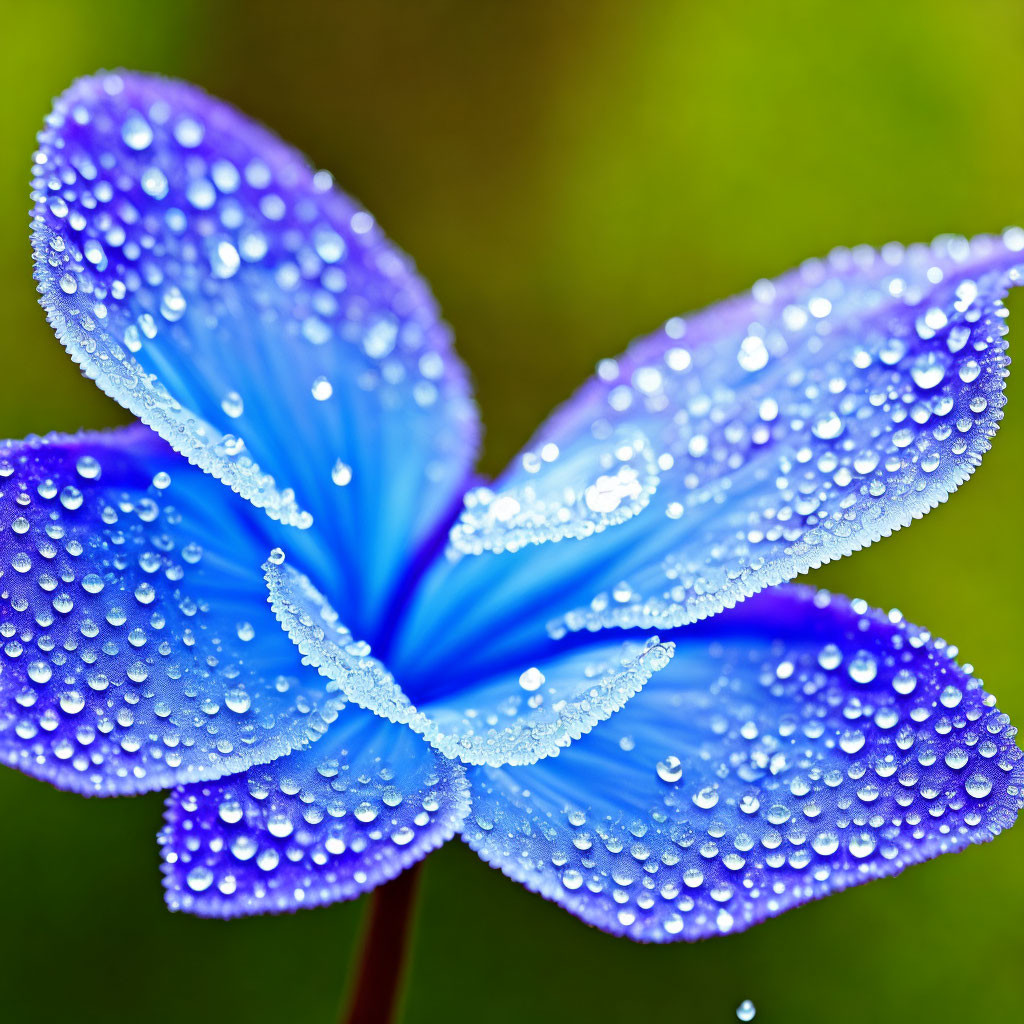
{"type": "Point", "coordinates": [567, 175]}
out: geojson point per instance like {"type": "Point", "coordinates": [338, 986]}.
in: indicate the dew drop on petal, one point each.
{"type": "Point", "coordinates": [978, 786]}
{"type": "Point", "coordinates": [88, 467]}
{"type": "Point", "coordinates": [827, 427]}
{"type": "Point", "coordinates": [199, 879]}
{"type": "Point", "coordinates": [136, 132]}
{"type": "Point", "coordinates": [532, 679]}
{"type": "Point", "coordinates": [341, 473]}
{"type": "Point", "coordinates": [322, 389]}
{"type": "Point", "coordinates": [232, 404]}
{"type": "Point", "coordinates": [928, 371]}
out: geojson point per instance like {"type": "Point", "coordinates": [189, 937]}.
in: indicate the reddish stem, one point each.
{"type": "Point", "coordinates": [382, 958]}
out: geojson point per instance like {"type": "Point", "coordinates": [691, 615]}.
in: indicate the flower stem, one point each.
{"type": "Point", "coordinates": [385, 944]}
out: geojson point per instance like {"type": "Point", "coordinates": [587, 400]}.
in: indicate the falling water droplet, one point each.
{"type": "Point", "coordinates": [746, 1010]}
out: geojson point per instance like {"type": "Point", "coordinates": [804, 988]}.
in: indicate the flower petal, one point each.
{"type": "Point", "coordinates": [136, 646]}
{"type": "Point", "coordinates": [778, 430]}
{"type": "Point", "coordinates": [511, 716]}
{"type": "Point", "coordinates": [797, 745]}
{"type": "Point", "coordinates": [535, 709]}
{"type": "Point", "coordinates": [319, 826]}
{"type": "Point", "coordinates": [207, 279]}
{"type": "Point", "coordinates": [324, 641]}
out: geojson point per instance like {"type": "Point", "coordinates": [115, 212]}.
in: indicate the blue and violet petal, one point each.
{"type": "Point", "coordinates": [795, 746]}
{"type": "Point", "coordinates": [511, 716]}
{"type": "Point", "coordinates": [322, 825]}
{"type": "Point", "coordinates": [234, 300]}
{"type": "Point", "coordinates": [741, 446]}
{"type": "Point", "coordinates": [137, 649]}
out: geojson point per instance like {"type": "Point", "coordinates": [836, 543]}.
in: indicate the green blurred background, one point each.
{"type": "Point", "coordinates": [567, 176]}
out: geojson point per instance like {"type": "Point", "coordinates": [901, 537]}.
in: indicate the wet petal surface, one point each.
{"type": "Point", "coordinates": [601, 487]}
{"type": "Point", "coordinates": [795, 746]}
{"type": "Point", "coordinates": [316, 827]}
{"type": "Point", "coordinates": [513, 716]}
{"type": "Point", "coordinates": [228, 295]}
{"type": "Point", "coordinates": [782, 428]}
{"type": "Point", "coordinates": [136, 646]}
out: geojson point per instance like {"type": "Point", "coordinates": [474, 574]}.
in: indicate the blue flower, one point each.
{"type": "Point", "coordinates": [567, 667]}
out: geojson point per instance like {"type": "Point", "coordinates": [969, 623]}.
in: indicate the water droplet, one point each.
{"type": "Point", "coordinates": [91, 583]}
{"type": "Point", "coordinates": [154, 183]}
{"type": "Point", "coordinates": [39, 672]}
{"type": "Point", "coordinates": [365, 812]}
{"type": "Point", "coordinates": [341, 473]}
{"type": "Point", "coordinates": [199, 879]}
{"type": "Point", "coordinates": [753, 355]}
{"type": "Point", "coordinates": [531, 679]}
{"type": "Point", "coordinates": [851, 741]}
{"type": "Point", "coordinates": [189, 132]}
{"type": "Point", "coordinates": [88, 467]}
{"type": "Point", "coordinates": [904, 682]}
{"type": "Point", "coordinates": [978, 786]}
{"type": "Point", "coordinates": [830, 657]}
{"type": "Point", "coordinates": [827, 427]}
{"type": "Point", "coordinates": [71, 497]}
{"type": "Point", "coordinates": [71, 702]}
{"type": "Point", "coordinates": [230, 811]}
{"type": "Point", "coordinates": [136, 132]}
{"type": "Point", "coordinates": [928, 371]}
{"type": "Point", "coordinates": [224, 260]}
{"type": "Point", "coordinates": [863, 668]}
{"type": "Point", "coordinates": [956, 758]}
{"type": "Point", "coordinates": [173, 304]}
{"type": "Point", "coordinates": [232, 404]}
